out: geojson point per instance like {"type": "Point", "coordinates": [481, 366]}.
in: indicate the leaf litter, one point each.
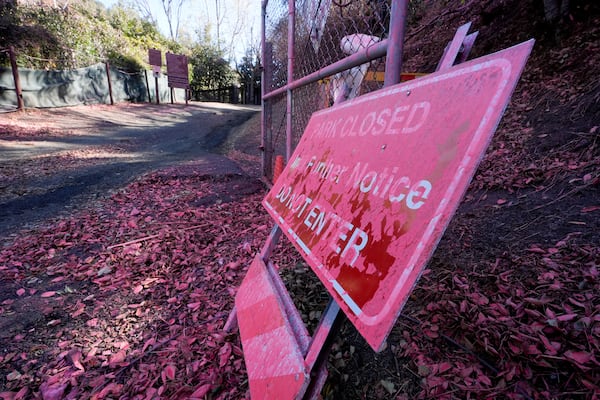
{"type": "Point", "coordinates": [155, 270]}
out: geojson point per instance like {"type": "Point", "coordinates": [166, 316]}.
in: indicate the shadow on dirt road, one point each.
{"type": "Point", "coordinates": [56, 161]}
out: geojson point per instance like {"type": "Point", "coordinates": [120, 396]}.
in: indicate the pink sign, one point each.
{"type": "Point", "coordinates": [274, 361]}
{"type": "Point", "coordinates": [374, 182]}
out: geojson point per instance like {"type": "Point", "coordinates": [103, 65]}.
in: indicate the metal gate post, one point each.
{"type": "Point", "coordinates": [454, 47]}
{"type": "Point", "coordinates": [147, 86]}
{"type": "Point", "coordinates": [393, 60]}
{"type": "Point", "coordinates": [290, 76]}
{"type": "Point", "coordinates": [267, 112]}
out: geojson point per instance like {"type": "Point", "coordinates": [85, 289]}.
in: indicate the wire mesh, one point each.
{"type": "Point", "coordinates": [325, 31]}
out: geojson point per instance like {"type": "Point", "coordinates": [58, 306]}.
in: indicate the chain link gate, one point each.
{"type": "Point", "coordinates": [301, 38]}
{"type": "Point", "coordinates": [377, 217]}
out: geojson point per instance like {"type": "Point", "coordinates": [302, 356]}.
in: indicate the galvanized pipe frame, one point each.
{"type": "Point", "coordinates": [266, 143]}
{"type": "Point", "coordinates": [290, 76]}
{"type": "Point", "coordinates": [393, 62]}
{"type": "Point", "coordinates": [371, 53]}
{"type": "Point", "coordinates": [315, 354]}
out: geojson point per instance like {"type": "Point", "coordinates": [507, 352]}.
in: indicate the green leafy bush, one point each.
{"type": "Point", "coordinates": [82, 34]}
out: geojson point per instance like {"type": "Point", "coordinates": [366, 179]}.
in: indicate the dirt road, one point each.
{"type": "Point", "coordinates": [56, 161]}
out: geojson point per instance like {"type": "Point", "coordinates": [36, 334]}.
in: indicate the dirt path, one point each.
{"type": "Point", "coordinates": [56, 161]}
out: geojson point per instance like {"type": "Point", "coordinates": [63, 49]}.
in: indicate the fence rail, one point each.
{"type": "Point", "coordinates": [231, 94]}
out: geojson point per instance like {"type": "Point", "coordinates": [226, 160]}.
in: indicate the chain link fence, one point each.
{"type": "Point", "coordinates": [323, 32]}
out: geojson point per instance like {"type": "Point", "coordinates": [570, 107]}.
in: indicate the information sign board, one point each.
{"type": "Point", "coordinates": [154, 57]}
{"type": "Point", "coordinates": [177, 71]}
{"type": "Point", "coordinates": [374, 181]}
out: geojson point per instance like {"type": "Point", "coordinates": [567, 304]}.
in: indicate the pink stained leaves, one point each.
{"type": "Point", "coordinates": [157, 265]}
{"type": "Point", "coordinates": [224, 354]}
{"type": "Point", "coordinates": [74, 358]}
{"type": "Point", "coordinates": [507, 329]}
{"type": "Point", "coordinates": [138, 289]}
{"type": "Point", "coordinates": [168, 373]}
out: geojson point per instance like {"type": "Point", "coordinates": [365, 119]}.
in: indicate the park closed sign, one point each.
{"type": "Point", "coordinates": [374, 181]}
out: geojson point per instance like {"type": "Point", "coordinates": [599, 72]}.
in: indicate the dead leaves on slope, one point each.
{"type": "Point", "coordinates": [154, 273]}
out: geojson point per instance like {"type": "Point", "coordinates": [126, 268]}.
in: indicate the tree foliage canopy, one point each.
{"type": "Point", "coordinates": [85, 32]}
{"type": "Point", "coordinates": [209, 68]}
{"type": "Point", "coordinates": [81, 34]}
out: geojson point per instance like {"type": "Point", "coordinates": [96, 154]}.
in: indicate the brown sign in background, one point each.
{"type": "Point", "coordinates": [177, 71]}
{"type": "Point", "coordinates": [155, 57]}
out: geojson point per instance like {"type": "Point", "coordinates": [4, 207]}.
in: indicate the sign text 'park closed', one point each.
{"type": "Point", "coordinates": [374, 181]}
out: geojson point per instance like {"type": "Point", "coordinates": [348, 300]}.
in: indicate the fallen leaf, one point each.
{"type": "Point", "coordinates": [13, 376]}
{"type": "Point", "coordinates": [168, 373]}
{"type": "Point", "coordinates": [118, 357]}
{"type": "Point", "coordinates": [104, 271]}
{"type": "Point", "coordinates": [92, 323]}
{"type": "Point", "coordinates": [580, 357]}
{"type": "Point", "coordinates": [53, 392]}
{"type": "Point", "coordinates": [201, 391]}
{"type": "Point", "coordinates": [388, 386]}
{"type": "Point", "coordinates": [224, 353]}
{"type": "Point", "coordinates": [484, 379]}
{"type": "Point", "coordinates": [48, 294]}
{"type": "Point", "coordinates": [566, 317]}
{"type": "Point", "coordinates": [112, 388]}
{"type": "Point", "coordinates": [590, 209]}
{"type": "Point", "coordinates": [22, 393]}
{"type": "Point", "coordinates": [7, 395]}
{"type": "Point", "coordinates": [148, 343]}
{"type": "Point", "coordinates": [80, 309]}
{"type": "Point", "coordinates": [74, 357]}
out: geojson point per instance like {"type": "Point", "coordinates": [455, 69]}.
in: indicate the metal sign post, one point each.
{"type": "Point", "coordinates": [155, 60]}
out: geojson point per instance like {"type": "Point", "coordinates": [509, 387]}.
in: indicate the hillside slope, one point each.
{"type": "Point", "coordinates": [510, 304]}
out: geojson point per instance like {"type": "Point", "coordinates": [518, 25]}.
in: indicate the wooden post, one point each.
{"type": "Point", "coordinates": [110, 93]}
{"type": "Point", "coordinates": [147, 86]}
{"type": "Point", "coordinates": [15, 72]}
{"type": "Point", "coordinates": [156, 88]}
{"type": "Point", "coordinates": [171, 95]}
